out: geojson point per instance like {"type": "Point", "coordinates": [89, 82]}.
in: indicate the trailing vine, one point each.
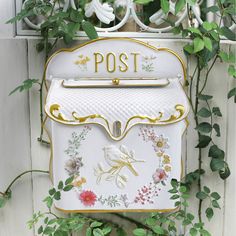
{"type": "Point", "coordinates": [205, 48]}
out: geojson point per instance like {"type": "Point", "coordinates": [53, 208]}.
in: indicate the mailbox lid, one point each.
{"type": "Point", "coordinates": [130, 103]}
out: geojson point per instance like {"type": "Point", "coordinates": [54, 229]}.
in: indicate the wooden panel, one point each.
{"type": "Point", "coordinates": [14, 139]}
{"type": "Point", "coordinates": [7, 11]}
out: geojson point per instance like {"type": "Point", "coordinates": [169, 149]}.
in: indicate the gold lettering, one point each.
{"type": "Point", "coordinates": [96, 54]}
{"type": "Point", "coordinates": [108, 57]}
{"type": "Point", "coordinates": [135, 54]}
{"type": "Point", "coordinates": [123, 58]}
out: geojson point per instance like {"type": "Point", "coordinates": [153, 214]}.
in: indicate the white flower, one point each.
{"type": "Point", "coordinates": [161, 143]}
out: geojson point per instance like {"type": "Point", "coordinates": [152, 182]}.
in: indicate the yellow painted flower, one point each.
{"type": "Point", "coordinates": [166, 159]}
{"type": "Point", "coordinates": [167, 168]}
{"type": "Point", "coordinates": [78, 182]}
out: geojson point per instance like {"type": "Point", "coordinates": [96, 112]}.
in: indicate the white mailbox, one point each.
{"type": "Point", "coordinates": [117, 113]}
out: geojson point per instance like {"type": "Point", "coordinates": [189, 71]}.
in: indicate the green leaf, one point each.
{"type": "Point", "coordinates": [165, 6]}
{"type": "Point", "coordinates": [106, 230]}
{"type": "Point", "coordinates": [57, 195]}
{"type": "Point", "coordinates": [215, 195]}
{"type": "Point", "coordinates": [179, 5]}
{"type": "Point", "coordinates": [232, 93]}
{"type": "Point", "coordinates": [40, 229]}
{"type": "Point", "coordinates": [68, 188]}
{"type": "Point", "coordinates": [216, 127]}
{"type": "Point", "coordinates": [228, 33]}
{"type": "Point", "coordinates": [193, 232]}
{"type": "Point", "coordinates": [198, 44]}
{"type": "Point", "coordinates": [209, 213]}
{"type": "Point", "coordinates": [96, 224]}
{"type": "Point", "coordinates": [204, 97]}
{"type": "Point", "coordinates": [203, 141]}
{"type": "Point", "coordinates": [207, 43]}
{"type": "Point", "coordinates": [3, 201]}
{"type": "Point", "coordinates": [98, 232]}
{"type": "Point", "coordinates": [88, 232]}
{"type": "Point", "coordinates": [232, 71]}
{"type": "Point", "coordinates": [213, 9]}
{"type": "Point", "coordinates": [69, 180]}
{"type": "Point", "coordinates": [216, 111]}
{"type": "Point", "coordinates": [75, 15]}
{"type": "Point", "coordinates": [225, 172]}
{"type": "Point", "coordinates": [52, 191]}
{"type": "Point", "coordinates": [188, 48]}
{"type": "Point", "coordinates": [204, 112]}
{"type": "Point", "coordinates": [204, 232]}
{"type": "Point", "coordinates": [190, 217]}
{"type": "Point", "coordinates": [48, 200]}
{"type": "Point", "coordinates": [215, 204]}
{"type": "Point", "coordinates": [151, 221]}
{"type": "Point", "coordinates": [194, 30]}
{"type": "Point", "coordinates": [121, 232]}
{"type": "Point", "coordinates": [89, 30]}
{"type": "Point", "coordinates": [204, 127]}
{"type": "Point", "coordinates": [206, 189]}
{"type": "Point", "coordinates": [217, 164]}
{"type": "Point", "coordinates": [158, 229]}
{"type": "Point", "coordinates": [183, 189]}
{"type": "Point", "coordinates": [60, 185]}
{"type": "Point", "coordinates": [201, 195]}
{"type": "Point", "coordinates": [207, 26]}
{"type": "Point", "coordinates": [143, 2]}
{"type": "Point", "coordinates": [139, 232]}
{"type": "Point", "coordinates": [216, 152]}
{"type": "Point", "coordinates": [27, 84]}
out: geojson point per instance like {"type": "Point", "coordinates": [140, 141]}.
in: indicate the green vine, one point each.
{"type": "Point", "coordinates": [205, 48]}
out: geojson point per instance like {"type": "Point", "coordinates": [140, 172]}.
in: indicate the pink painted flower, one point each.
{"type": "Point", "coordinates": [159, 176]}
{"type": "Point", "coordinates": [88, 198]}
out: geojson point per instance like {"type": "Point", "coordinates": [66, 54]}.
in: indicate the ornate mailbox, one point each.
{"type": "Point", "coordinates": [117, 112]}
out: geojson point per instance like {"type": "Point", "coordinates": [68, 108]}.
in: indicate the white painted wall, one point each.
{"type": "Point", "coordinates": [19, 129]}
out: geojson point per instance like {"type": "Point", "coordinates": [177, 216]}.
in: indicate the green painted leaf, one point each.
{"type": "Point", "coordinates": [216, 127]}
{"type": "Point", "coordinates": [215, 195]}
{"type": "Point", "coordinates": [228, 33]}
{"type": "Point", "coordinates": [165, 6]}
{"type": "Point", "coordinates": [179, 5]}
{"type": "Point", "coordinates": [57, 195]}
{"type": "Point", "coordinates": [89, 30]}
{"type": "Point", "coordinates": [217, 164]}
{"type": "Point", "coordinates": [207, 43]}
{"type": "Point", "coordinates": [139, 232]}
{"type": "Point", "coordinates": [216, 152]}
{"type": "Point", "coordinates": [68, 188]}
{"type": "Point", "coordinates": [201, 195]}
{"type": "Point", "coordinates": [204, 112]}
{"type": "Point", "coordinates": [232, 93]}
{"type": "Point", "coordinates": [204, 127]}
{"type": "Point", "coordinates": [209, 213]}
{"type": "Point", "coordinates": [69, 180]}
{"type": "Point", "coordinates": [198, 44]}
{"type": "Point", "coordinates": [60, 185]}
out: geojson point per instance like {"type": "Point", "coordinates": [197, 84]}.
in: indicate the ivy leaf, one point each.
{"type": "Point", "coordinates": [207, 26]}
{"type": "Point", "coordinates": [229, 34]}
{"type": "Point", "coordinates": [217, 164]}
{"type": "Point", "coordinates": [209, 213]}
{"type": "Point", "coordinates": [225, 172]}
{"type": "Point", "coordinates": [216, 127]}
{"type": "Point", "coordinates": [215, 195]}
{"type": "Point", "coordinates": [204, 112]}
{"type": "Point", "coordinates": [27, 84]}
{"type": "Point", "coordinates": [198, 44]}
{"type": "Point", "coordinates": [204, 127]}
{"type": "Point", "coordinates": [48, 200]}
{"type": "Point", "coordinates": [201, 195]}
{"type": "Point", "coordinates": [106, 230]}
{"type": "Point", "coordinates": [121, 232]}
{"type": "Point", "coordinates": [165, 6]}
{"type": "Point", "coordinates": [216, 152]}
{"type": "Point", "coordinates": [232, 93]}
{"type": "Point", "coordinates": [215, 204]}
{"type": "Point", "coordinates": [158, 229]}
{"type": "Point", "coordinates": [96, 224]}
{"type": "Point", "coordinates": [206, 189]}
{"type": "Point", "coordinates": [139, 232]}
{"type": "Point", "coordinates": [188, 49]}
{"type": "Point", "coordinates": [204, 97]}
{"type": "Point", "coordinates": [89, 30]}
{"type": "Point", "coordinates": [193, 232]}
{"type": "Point", "coordinates": [232, 71]}
{"type": "Point", "coordinates": [216, 111]}
{"type": "Point", "coordinates": [207, 43]}
{"type": "Point", "coordinates": [98, 232]}
{"type": "Point", "coordinates": [204, 232]}
{"type": "Point", "coordinates": [203, 141]}
{"type": "Point", "coordinates": [212, 9]}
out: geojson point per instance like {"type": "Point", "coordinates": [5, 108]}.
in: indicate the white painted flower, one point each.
{"type": "Point", "coordinates": [161, 143]}
{"type": "Point", "coordinates": [73, 165]}
{"type": "Point", "coordinates": [104, 12]}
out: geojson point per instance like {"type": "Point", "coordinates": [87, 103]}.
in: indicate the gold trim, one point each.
{"type": "Point", "coordinates": [116, 84]}
{"type": "Point", "coordinates": [115, 38]}
{"type": "Point", "coordinates": [54, 114]}
{"type": "Point", "coordinates": [118, 210]}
